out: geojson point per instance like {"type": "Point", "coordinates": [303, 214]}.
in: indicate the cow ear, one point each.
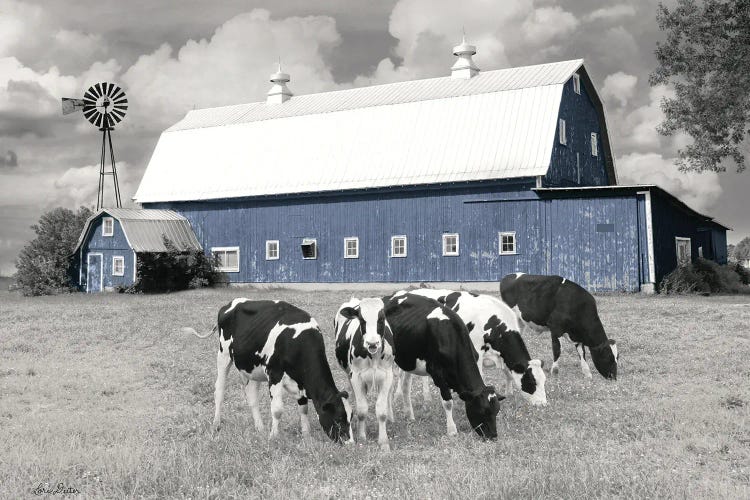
{"type": "Point", "coordinates": [348, 313]}
{"type": "Point", "coordinates": [612, 342]}
{"type": "Point", "coordinates": [343, 395]}
{"type": "Point", "coordinates": [519, 368]}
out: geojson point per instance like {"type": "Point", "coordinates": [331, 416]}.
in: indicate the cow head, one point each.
{"type": "Point", "coordinates": [481, 410]}
{"type": "Point", "coordinates": [375, 329]}
{"type": "Point", "coordinates": [334, 416]}
{"type": "Point", "coordinates": [530, 380]}
{"type": "Point", "coordinates": [605, 358]}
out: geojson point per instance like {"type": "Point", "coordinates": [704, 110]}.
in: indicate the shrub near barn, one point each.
{"type": "Point", "coordinates": [174, 270]}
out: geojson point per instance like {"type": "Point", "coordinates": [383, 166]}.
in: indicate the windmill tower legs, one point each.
{"type": "Point", "coordinates": [107, 141]}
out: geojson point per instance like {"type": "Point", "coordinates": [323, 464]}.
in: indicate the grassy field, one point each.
{"type": "Point", "coordinates": [104, 394]}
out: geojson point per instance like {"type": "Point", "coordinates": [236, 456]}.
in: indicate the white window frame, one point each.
{"type": "Point", "coordinates": [393, 245]}
{"type": "Point", "coordinates": [355, 239]}
{"type": "Point", "coordinates": [111, 221]}
{"type": "Point", "coordinates": [677, 241]}
{"type": "Point", "coordinates": [594, 144]}
{"type": "Point", "coordinates": [500, 243]}
{"type": "Point", "coordinates": [446, 253]}
{"type": "Point", "coordinates": [118, 258]}
{"type": "Point", "coordinates": [563, 136]}
{"type": "Point", "coordinates": [225, 269]}
{"type": "Point", "coordinates": [268, 249]}
{"type": "Point", "coordinates": [577, 83]}
{"type": "Point", "coordinates": [315, 246]}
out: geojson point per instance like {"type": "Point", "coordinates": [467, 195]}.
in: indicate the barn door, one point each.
{"type": "Point", "coordinates": [94, 273]}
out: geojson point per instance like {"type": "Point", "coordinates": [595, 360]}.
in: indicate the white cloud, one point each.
{"type": "Point", "coordinates": [613, 13]}
{"type": "Point", "coordinates": [548, 23]}
{"type": "Point", "coordinates": [232, 67]}
{"type": "Point", "coordinates": [619, 87]}
{"type": "Point", "coordinates": [699, 191]}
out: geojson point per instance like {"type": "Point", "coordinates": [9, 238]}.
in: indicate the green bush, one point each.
{"type": "Point", "coordinates": [704, 276]}
{"type": "Point", "coordinates": [174, 270]}
{"type": "Point", "coordinates": [44, 266]}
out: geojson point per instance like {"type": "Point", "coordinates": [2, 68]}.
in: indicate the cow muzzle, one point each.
{"type": "Point", "coordinates": [372, 347]}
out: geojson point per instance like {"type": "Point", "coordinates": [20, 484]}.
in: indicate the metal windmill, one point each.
{"type": "Point", "coordinates": [104, 105]}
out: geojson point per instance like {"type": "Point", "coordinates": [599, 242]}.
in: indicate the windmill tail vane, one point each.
{"type": "Point", "coordinates": [104, 105]}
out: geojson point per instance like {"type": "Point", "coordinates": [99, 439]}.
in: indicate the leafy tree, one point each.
{"type": "Point", "coordinates": [730, 252]}
{"type": "Point", "coordinates": [705, 57]}
{"type": "Point", "coordinates": [44, 264]}
{"type": "Point", "coordinates": [742, 249]}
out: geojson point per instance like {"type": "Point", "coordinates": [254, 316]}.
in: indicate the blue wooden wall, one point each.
{"type": "Point", "coordinates": [671, 220]}
{"type": "Point", "coordinates": [108, 246]}
{"type": "Point", "coordinates": [557, 236]}
{"type": "Point", "coordinates": [581, 119]}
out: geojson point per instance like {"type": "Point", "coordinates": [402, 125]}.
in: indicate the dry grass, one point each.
{"type": "Point", "coordinates": [103, 393]}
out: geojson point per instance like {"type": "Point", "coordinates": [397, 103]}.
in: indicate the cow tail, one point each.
{"type": "Point", "coordinates": [191, 330]}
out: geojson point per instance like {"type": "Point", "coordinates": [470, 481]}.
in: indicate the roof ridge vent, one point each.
{"type": "Point", "coordinates": [279, 92]}
{"type": "Point", "coordinates": [464, 68]}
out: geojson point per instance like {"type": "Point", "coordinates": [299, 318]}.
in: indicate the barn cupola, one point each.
{"type": "Point", "coordinates": [279, 92]}
{"type": "Point", "coordinates": [464, 68]}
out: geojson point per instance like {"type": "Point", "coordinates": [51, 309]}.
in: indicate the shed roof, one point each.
{"type": "Point", "coordinates": [498, 124]}
{"type": "Point", "coordinates": [145, 229]}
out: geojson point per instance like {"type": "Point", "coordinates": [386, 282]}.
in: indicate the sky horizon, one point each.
{"type": "Point", "coordinates": [172, 56]}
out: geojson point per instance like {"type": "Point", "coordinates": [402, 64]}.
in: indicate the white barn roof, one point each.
{"type": "Point", "coordinates": [498, 124]}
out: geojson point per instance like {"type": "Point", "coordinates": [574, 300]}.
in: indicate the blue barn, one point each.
{"type": "Point", "coordinates": [463, 178]}
{"type": "Point", "coordinates": [107, 250]}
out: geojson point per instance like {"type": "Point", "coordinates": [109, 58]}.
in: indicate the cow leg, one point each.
{"type": "Point", "coordinates": [426, 393]}
{"type": "Point", "coordinates": [304, 421]}
{"type": "Point", "coordinates": [555, 353]}
{"type": "Point", "coordinates": [445, 394]}
{"type": "Point", "coordinates": [381, 409]}
{"type": "Point", "coordinates": [360, 395]}
{"type": "Point", "coordinates": [509, 383]}
{"type": "Point", "coordinates": [276, 392]}
{"type": "Point", "coordinates": [581, 349]}
{"type": "Point", "coordinates": [251, 393]}
{"type": "Point", "coordinates": [223, 363]}
{"type": "Point", "coordinates": [405, 384]}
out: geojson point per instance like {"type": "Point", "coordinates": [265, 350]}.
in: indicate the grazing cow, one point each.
{"type": "Point", "coordinates": [364, 350]}
{"type": "Point", "coordinates": [562, 307]}
{"type": "Point", "coordinates": [430, 339]}
{"type": "Point", "coordinates": [494, 332]}
{"type": "Point", "coordinates": [277, 342]}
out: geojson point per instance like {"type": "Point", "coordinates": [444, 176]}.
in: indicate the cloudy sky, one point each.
{"type": "Point", "coordinates": [175, 55]}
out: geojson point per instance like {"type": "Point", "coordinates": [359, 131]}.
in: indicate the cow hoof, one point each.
{"type": "Point", "coordinates": [215, 428]}
{"type": "Point", "coordinates": [385, 447]}
{"type": "Point", "coordinates": [452, 432]}
{"type": "Point", "coordinates": [554, 370]}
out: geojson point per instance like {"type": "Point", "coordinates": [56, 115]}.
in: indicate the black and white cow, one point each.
{"type": "Point", "coordinates": [562, 307]}
{"type": "Point", "coordinates": [364, 350]}
{"type": "Point", "coordinates": [277, 342]}
{"type": "Point", "coordinates": [430, 339]}
{"type": "Point", "coordinates": [495, 334]}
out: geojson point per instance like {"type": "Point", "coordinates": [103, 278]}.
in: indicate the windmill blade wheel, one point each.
{"type": "Point", "coordinates": [104, 105]}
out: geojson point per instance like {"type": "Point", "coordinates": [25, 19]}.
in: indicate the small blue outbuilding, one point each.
{"type": "Point", "coordinates": [106, 254]}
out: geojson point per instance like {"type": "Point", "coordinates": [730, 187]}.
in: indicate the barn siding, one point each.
{"type": "Point", "coordinates": [671, 220]}
{"type": "Point", "coordinates": [580, 251]}
{"type": "Point", "coordinates": [581, 119]}
{"type": "Point", "coordinates": [108, 246]}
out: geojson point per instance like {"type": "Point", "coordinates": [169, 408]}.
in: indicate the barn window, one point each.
{"type": "Point", "coordinates": [118, 266]}
{"type": "Point", "coordinates": [309, 248]}
{"type": "Point", "coordinates": [594, 144]}
{"type": "Point", "coordinates": [683, 251]}
{"type": "Point", "coordinates": [227, 258]}
{"type": "Point", "coordinates": [108, 226]}
{"type": "Point", "coordinates": [576, 83]}
{"type": "Point", "coordinates": [507, 243]}
{"type": "Point", "coordinates": [450, 244]}
{"type": "Point", "coordinates": [351, 248]}
{"type": "Point", "coordinates": [561, 128]}
{"type": "Point", "coordinates": [398, 246]}
{"type": "Point", "coordinates": [272, 250]}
